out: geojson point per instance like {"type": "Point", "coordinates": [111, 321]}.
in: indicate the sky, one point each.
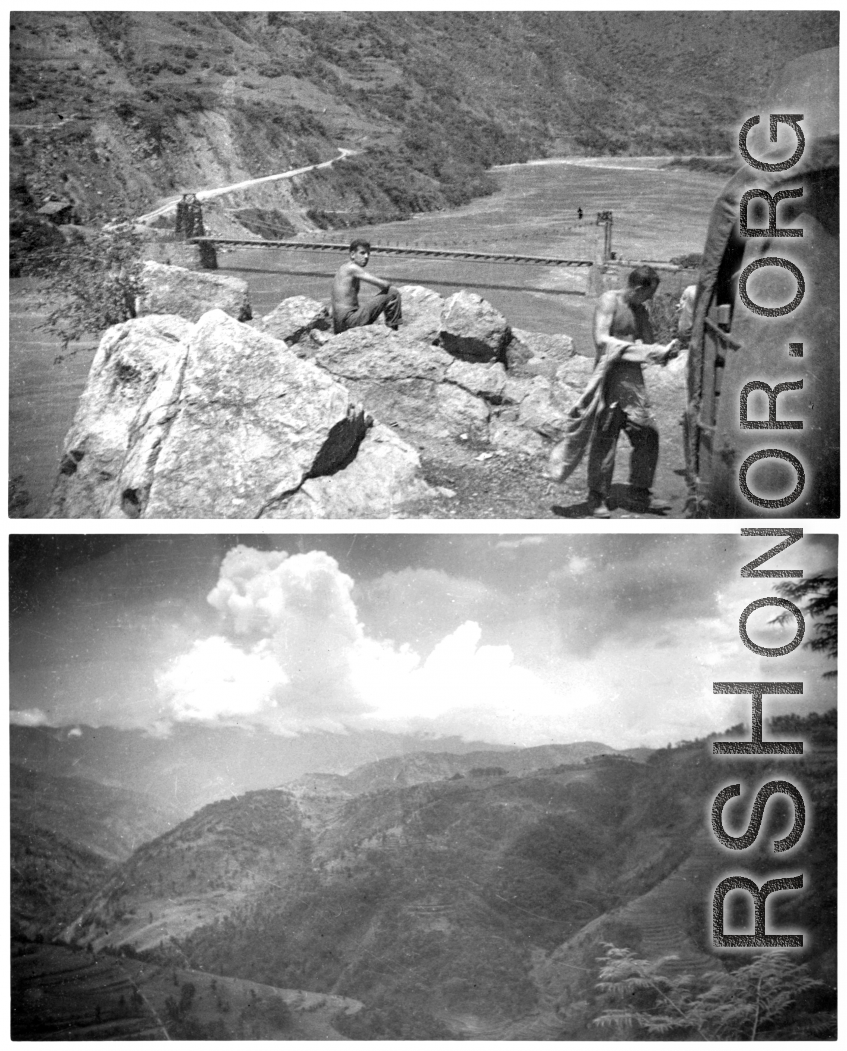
{"type": "Point", "coordinates": [510, 639]}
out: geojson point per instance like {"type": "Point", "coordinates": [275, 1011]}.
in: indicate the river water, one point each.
{"type": "Point", "coordinates": [658, 214]}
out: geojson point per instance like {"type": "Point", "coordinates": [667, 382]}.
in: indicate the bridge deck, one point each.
{"type": "Point", "coordinates": [433, 253]}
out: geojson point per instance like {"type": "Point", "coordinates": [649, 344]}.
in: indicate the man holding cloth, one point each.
{"type": "Point", "coordinates": [623, 338]}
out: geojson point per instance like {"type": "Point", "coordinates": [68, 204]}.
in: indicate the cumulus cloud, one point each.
{"type": "Point", "coordinates": [610, 650]}
{"type": "Point", "coordinates": [293, 656]}
{"type": "Point", "coordinates": [218, 680]}
{"type": "Point", "coordinates": [418, 604]}
{"type": "Point", "coordinates": [608, 637]}
{"type": "Point", "coordinates": [285, 658]}
{"type": "Point", "coordinates": [459, 671]}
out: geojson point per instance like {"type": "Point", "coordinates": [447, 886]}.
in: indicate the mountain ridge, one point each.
{"type": "Point", "coordinates": [116, 110]}
{"type": "Point", "coordinates": [195, 765]}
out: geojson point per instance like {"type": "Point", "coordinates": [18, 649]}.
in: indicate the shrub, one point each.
{"type": "Point", "coordinates": [29, 237]}
{"type": "Point", "coordinates": [769, 997]}
{"type": "Point", "coordinates": [91, 284]}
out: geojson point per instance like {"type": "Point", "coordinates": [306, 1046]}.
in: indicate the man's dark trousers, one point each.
{"type": "Point", "coordinates": [387, 303]}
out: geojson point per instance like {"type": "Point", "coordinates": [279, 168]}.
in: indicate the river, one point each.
{"type": "Point", "coordinates": [658, 214]}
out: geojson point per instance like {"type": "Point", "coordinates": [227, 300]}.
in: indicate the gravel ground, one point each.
{"type": "Point", "coordinates": [475, 480]}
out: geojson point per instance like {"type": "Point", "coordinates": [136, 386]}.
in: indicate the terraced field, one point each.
{"type": "Point", "coordinates": [61, 993]}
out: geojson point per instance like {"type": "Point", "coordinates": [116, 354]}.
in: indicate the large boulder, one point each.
{"type": "Point", "coordinates": [253, 420]}
{"type": "Point", "coordinates": [384, 476]}
{"type": "Point", "coordinates": [191, 293]}
{"type": "Point", "coordinates": [408, 385]}
{"type": "Point", "coordinates": [133, 384]}
{"type": "Point", "coordinates": [483, 381]}
{"type": "Point", "coordinates": [376, 353]}
{"type": "Point", "coordinates": [216, 420]}
{"type": "Point", "coordinates": [295, 318]}
{"type": "Point", "coordinates": [422, 309]}
{"type": "Point", "coordinates": [472, 329]}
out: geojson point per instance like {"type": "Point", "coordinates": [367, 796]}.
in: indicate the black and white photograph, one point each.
{"type": "Point", "coordinates": [510, 786]}
{"type": "Point", "coordinates": [424, 264]}
{"type": "Point", "coordinates": [534, 316]}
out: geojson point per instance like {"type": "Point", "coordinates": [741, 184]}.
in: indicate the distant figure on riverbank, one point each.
{"type": "Point", "coordinates": [623, 338]}
{"type": "Point", "coordinates": [579, 213]}
{"type": "Point", "coordinates": [346, 312]}
{"type": "Point", "coordinates": [189, 217]}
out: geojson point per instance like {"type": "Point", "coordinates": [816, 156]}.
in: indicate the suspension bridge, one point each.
{"type": "Point", "coordinates": [403, 250]}
{"type": "Point", "coordinates": [600, 247]}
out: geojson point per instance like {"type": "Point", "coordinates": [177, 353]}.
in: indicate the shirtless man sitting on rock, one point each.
{"type": "Point", "coordinates": [346, 312]}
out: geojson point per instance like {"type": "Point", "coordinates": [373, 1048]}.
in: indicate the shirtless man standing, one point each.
{"type": "Point", "coordinates": [621, 323]}
{"type": "Point", "coordinates": [346, 312]}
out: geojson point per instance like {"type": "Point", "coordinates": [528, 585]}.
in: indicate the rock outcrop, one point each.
{"type": "Point", "coordinates": [384, 477]}
{"type": "Point", "coordinates": [422, 309]}
{"type": "Point", "coordinates": [216, 420]}
{"type": "Point", "coordinates": [405, 383]}
{"type": "Point", "coordinates": [294, 319]}
{"type": "Point", "coordinates": [191, 293]}
{"type": "Point", "coordinates": [133, 383]}
{"type": "Point", "coordinates": [472, 329]}
{"type": "Point", "coordinates": [437, 400]}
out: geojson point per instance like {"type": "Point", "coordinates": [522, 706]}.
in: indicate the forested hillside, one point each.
{"type": "Point", "coordinates": [474, 906]}
{"type": "Point", "coordinates": [116, 110]}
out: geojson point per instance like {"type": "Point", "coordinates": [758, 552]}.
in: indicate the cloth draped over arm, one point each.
{"type": "Point", "coordinates": [567, 454]}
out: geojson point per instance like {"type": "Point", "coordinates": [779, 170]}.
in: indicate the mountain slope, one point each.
{"type": "Point", "coordinates": [220, 860]}
{"type": "Point", "coordinates": [111, 822]}
{"type": "Point", "coordinates": [66, 835]}
{"type": "Point", "coordinates": [51, 879]}
{"type": "Point", "coordinates": [117, 109]}
{"type": "Point", "coordinates": [436, 896]}
{"type": "Point", "coordinates": [463, 907]}
{"type": "Point", "coordinates": [432, 894]}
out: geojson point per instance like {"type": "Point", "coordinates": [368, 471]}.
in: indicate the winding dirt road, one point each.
{"type": "Point", "coordinates": [205, 195]}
